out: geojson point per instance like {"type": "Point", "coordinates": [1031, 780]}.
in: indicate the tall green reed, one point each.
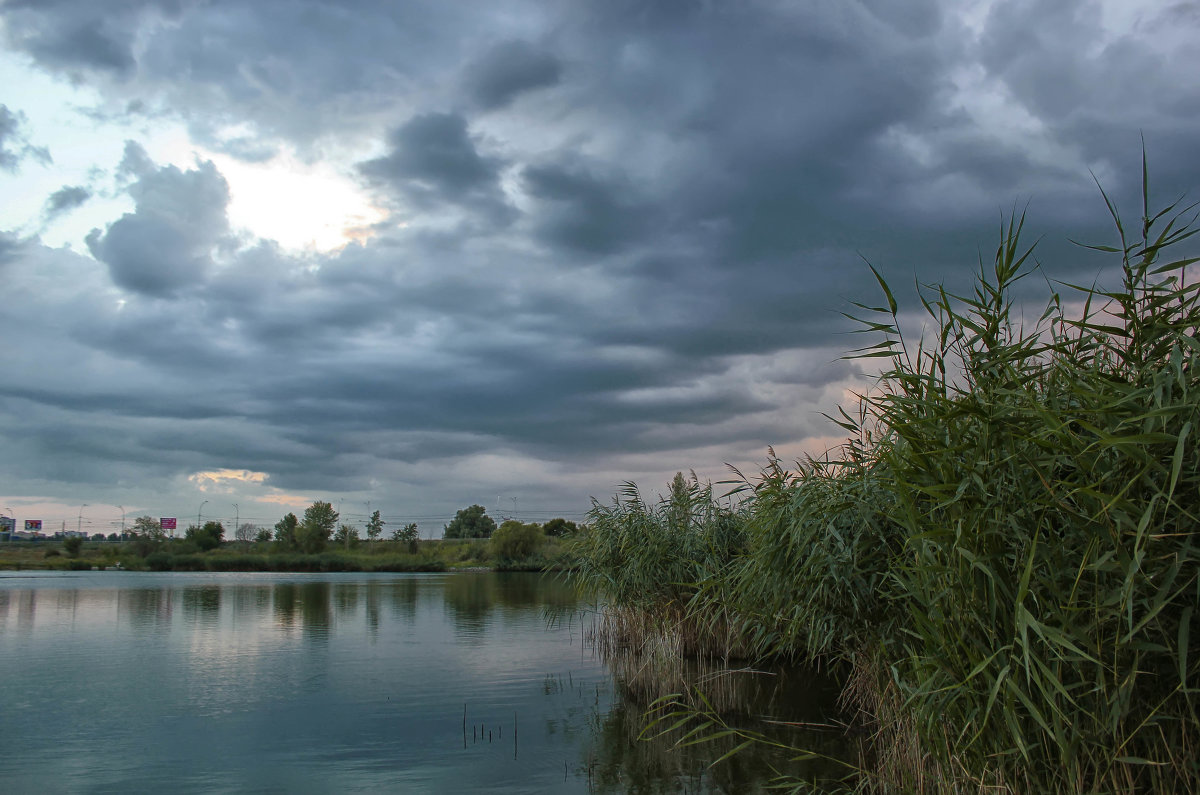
{"type": "Point", "coordinates": [1049, 495]}
{"type": "Point", "coordinates": [647, 559]}
{"type": "Point", "coordinates": [1003, 556]}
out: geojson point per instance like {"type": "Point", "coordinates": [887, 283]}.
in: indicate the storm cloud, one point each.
{"type": "Point", "coordinates": [167, 242]}
{"type": "Point", "coordinates": [509, 70]}
{"type": "Point", "coordinates": [611, 240]}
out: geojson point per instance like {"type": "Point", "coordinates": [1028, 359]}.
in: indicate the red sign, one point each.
{"type": "Point", "coordinates": [167, 522]}
{"type": "Point", "coordinates": [33, 524]}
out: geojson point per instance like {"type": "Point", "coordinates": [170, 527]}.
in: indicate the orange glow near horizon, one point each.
{"type": "Point", "coordinates": [223, 479]}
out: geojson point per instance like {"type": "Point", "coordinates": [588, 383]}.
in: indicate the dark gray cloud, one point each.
{"type": "Point", "coordinates": [621, 234]}
{"type": "Point", "coordinates": [586, 213]}
{"type": "Point", "coordinates": [65, 199]}
{"type": "Point", "coordinates": [167, 242]}
{"type": "Point", "coordinates": [14, 145]}
{"type": "Point", "coordinates": [509, 70]}
{"type": "Point", "coordinates": [433, 161]}
{"type": "Point", "coordinates": [433, 154]}
{"type": "Point", "coordinates": [10, 246]}
{"type": "Point", "coordinates": [73, 36]}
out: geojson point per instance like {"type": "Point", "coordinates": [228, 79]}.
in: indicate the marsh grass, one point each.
{"type": "Point", "coordinates": [649, 559]}
{"type": "Point", "coordinates": [1002, 559]}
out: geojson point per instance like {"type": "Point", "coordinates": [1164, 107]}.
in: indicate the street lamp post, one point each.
{"type": "Point", "coordinates": [122, 507]}
{"type": "Point", "coordinates": [237, 518]}
{"type": "Point", "coordinates": [12, 515]}
{"type": "Point", "coordinates": [79, 522]}
{"type": "Point", "coordinates": [198, 510]}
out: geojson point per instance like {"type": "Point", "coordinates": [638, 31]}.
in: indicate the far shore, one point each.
{"type": "Point", "coordinates": [429, 555]}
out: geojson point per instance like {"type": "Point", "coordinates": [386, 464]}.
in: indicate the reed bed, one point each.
{"type": "Point", "coordinates": [1002, 559]}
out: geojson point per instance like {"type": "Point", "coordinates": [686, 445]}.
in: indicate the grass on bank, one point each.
{"type": "Point", "coordinates": [374, 556]}
{"type": "Point", "coordinates": [1001, 561]}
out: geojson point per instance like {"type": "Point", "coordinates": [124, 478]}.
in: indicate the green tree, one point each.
{"type": "Point", "coordinates": [262, 536]}
{"type": "Point", "coordinates": [559, 527]}
{"type": "Point", "coordinates": [319, 521]}
{"type": "Point", "coordinates": [72, 545]}
{"type": "Point", "coordinates": [285, 530]}
{"type": "Point", "coordinates": [375, 526]}
{"type": "Point", "coordinates": [148, 527]}
{"type": "Point", "coordinates": [321, 515]}
{"type": "Point", "coordinates": [408, 534]}
{"type": "Point", "coordinates": [470, 522]}
{"type": "Point", "coordinates": [310, 539]}
{"type": "Point", "coordinates": [347, 536]}
{"type": "Point", "coordinates": [145, 536]}
{"type": "Point", "coordinates": [207, 537]}
{"type": "Point", "coordinates": [514, 540]}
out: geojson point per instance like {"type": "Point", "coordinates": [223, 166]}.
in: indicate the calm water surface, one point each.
{"type": "Point", "coordinates": [123, 681]}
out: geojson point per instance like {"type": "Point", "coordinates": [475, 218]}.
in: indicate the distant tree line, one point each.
{"type": "Point", "coordinates": [473, 522]}
{"type": "Point", "coordinates": [318, 528]}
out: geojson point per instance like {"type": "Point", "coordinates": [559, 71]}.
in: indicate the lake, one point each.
{"type": "Point", "coordinates": [129, 681]}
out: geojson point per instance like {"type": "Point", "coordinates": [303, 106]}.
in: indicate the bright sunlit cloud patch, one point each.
{"type": "Point", "coordinates": [224, 479]}
{"type": "Point", "coordinates": [288, 500]}
{"type": "Point", "coordinates": [300, 206]}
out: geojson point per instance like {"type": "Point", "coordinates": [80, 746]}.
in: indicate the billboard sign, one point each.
{"type": "Point", "coordinates": [7, 524]}
{"type": "Point", "coordinates": [33, 524]}
{"type": "Point", "coordinates": [167, 522]}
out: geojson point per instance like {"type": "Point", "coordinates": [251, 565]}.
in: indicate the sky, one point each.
{"type": "Point", "coordinates": [415, 256]}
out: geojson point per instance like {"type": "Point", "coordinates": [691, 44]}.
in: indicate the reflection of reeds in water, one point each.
{"type": "Point", "coordinates": [652, 656]}
{"type": "Point", "coordinates": [660, 674]}
{"type": "Point", "coordinates": [668, 632]}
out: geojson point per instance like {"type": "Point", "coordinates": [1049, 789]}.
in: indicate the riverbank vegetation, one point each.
{"type": "Point", "coordinates": [304, 545]}
{"type": "Point", "coordinates": [1001, 563]}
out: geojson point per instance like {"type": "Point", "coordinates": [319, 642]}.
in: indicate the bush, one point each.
{"type": "Point", "coordinates": [237, 563]}
{"type": "Point", "coordinates": [472, 522]}
{"type": "Point", "coordinates": [559, 527]}
{"type": "Point", "coordinates": [158, 561]}
{"type": "Point", "coordinates": [143, 545]}
{"type": "Point", "coordinates": [207, 537]}
{"type": "Point", "coordinates": [515, 541]}
{"type": "Point", "coordinates": [72, 545]}
{"type": "Point", "coordinates": [187, 563]}
{"type": "Point", "coordinates": [407, 563]}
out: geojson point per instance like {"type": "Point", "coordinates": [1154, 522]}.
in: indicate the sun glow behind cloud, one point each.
{"type": "Point", "coordinates": [299, 206]}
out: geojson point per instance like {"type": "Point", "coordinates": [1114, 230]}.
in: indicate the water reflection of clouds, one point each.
{"type": "Point", "coordinates": [316, 682]}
